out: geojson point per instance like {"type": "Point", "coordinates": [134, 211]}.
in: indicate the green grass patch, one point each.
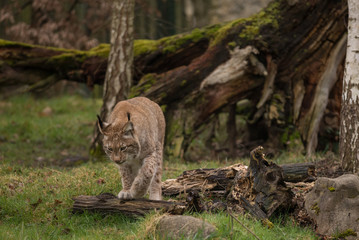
{"type": "Point", "coordinates": [31, 136]}
{"type": "Point", "coordinates": [36, 202]}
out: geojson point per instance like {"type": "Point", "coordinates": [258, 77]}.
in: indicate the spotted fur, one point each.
{"type": "Point", "coordinates": [133, 138]}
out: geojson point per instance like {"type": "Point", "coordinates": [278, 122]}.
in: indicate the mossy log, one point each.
{"type": "Point", "coordinates": [286, 61]}
{"type": "Point", "coordinates": [108, 203]}
{"type": "Point", "coordinates": [31, 68]}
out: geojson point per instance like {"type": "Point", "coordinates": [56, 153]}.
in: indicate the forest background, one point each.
{"type": "Point", "coordinates": [84, 25]}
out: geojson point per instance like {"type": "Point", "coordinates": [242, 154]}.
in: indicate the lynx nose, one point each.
{"type": "Point", "coordinates": [117, 159]}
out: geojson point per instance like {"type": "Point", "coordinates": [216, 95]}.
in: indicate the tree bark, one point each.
{"type": "Point", "coordinates": [120, 64]}
{"type": "Point", "coordinates": [349, 121]}
{"type": "Point", "coordinates": [283, 61]}
{"type": "Point", "coordinates": [232, 132]}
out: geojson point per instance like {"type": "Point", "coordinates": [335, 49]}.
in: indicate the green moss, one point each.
{"type": "Point", "coordinates": [332, 189]}
{"type": "Point", "coordinates": [344, 234]}
{"type": "Point", "coordinates": [223, 31]}
{"type": "Point", "coordinates": [268, 16]}
{"type": "Point", "coordinates": [267, 223]}
{"type": "Point", "coordinates": [173, 43]}
{"type": "Point", "coordinates": [315, 208]}
{"type": "Point", "coordinates": [162, 95]}
{"type": "Point", "coordinates": [5, 43]}
{"type": "Point", "coordinates": [290, 136]}
{"type": "Point", "coordinates": [173, 127]}
{"type": "Point", "coordinates": [177, 148]}
{"type": "Point", "coordinates": [277, 109]}
{"type": "Point", "coordinates": [174, 136]}
{"type": "Point", "coordinates": [232, 45]}
{"type": "Point", "coordinates": [146, 82]}
{"type": "Point", "coordinates": [183, 83]}
{"type": "Point", "coordinates": [143, 46]}
{"type": "Point", "coordinates": [163, 107]}
{"type": "Point", "coordinates": [97, 153]}
{"type": "Point", "coordinates": [64, 59]}
{"type": "Point", "coordinates": [284, 138]}
{"type": "Point", "coordinates": [101, 50]}
{"type": "Point", "coordinates": [71, 57]}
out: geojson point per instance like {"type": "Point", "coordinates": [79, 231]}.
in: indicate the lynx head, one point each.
{"type": "Point", "coordinates": [119, 140]}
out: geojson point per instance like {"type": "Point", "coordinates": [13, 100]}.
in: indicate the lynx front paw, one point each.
{"type": "Point", "coordinates": [125, 195]}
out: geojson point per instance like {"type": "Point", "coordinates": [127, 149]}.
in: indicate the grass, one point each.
{"type": "Point", "coordinates": [29, 136]}
{"type": "Point", "coordinates": [36, 191]}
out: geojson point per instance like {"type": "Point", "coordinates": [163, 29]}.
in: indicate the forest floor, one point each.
{"type": "Point", "coordinates": [43, 165]}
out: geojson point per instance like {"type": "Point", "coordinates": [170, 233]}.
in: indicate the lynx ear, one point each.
{"type": "Point", "coordinates": [128, 129]}
{"type": "Point", "coordinates": [101, 125]}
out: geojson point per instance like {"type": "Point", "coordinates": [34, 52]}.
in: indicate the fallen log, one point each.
{"type": "Point", "coordinates": [215, 182]}
{"type": "Point", "coordinates": [299, 172]}
{"type": "Point", "coordinates": [109, 203]}
{"type": "Point", "coordinates": [208, 181]}
{"type": "Point", "coordinates": [260, 188]}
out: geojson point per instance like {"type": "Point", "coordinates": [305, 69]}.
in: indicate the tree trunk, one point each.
{"type": "Point", "coordinates": [283, 62]}
{"type": "Point", "coordinates": [349, 121]}
{"type": "Point", "coordinates": [120, 63]}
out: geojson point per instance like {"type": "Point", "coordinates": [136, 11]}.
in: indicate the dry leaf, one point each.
{"type": "Point", "coordinates": [101, 181]}
{"type": "Point", "coordinates": [46, 112]}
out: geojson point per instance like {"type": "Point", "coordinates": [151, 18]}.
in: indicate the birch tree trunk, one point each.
{"type": "Point", "coordinates": [120, 62]}
{"type": "Point", "coordinates": [349, 124]}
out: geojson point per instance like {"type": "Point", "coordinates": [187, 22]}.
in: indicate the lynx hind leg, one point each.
{"type": "Point", "coordinates": [155, 187]}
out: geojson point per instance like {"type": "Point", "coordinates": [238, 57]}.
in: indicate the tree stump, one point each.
{"type": "Point", "coordinates": [261, 187]}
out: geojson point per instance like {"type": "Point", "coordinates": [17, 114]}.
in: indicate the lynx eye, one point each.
{"type": "Point", "coordinates": [109, 149]}
{"type": "Point", "coordinates": [123, 148]}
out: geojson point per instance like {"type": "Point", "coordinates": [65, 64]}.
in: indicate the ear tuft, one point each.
{"type": "Point", "coordinates": [101, 125]}
{"type": "Point", "coordinates": [99, 122]}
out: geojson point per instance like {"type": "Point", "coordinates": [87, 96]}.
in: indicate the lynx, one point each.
{"type": "Point", "coordinates": [133, 138]}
